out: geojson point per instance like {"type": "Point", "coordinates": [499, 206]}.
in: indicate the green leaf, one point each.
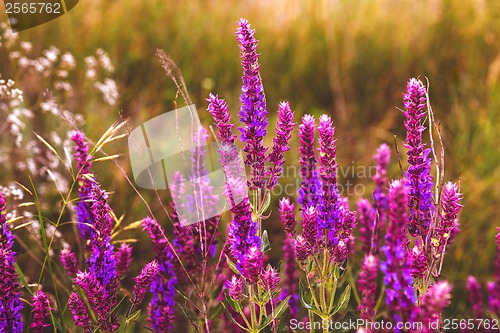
{"type": "Point", "coordinates": [343, 300]}
{"type": "Point", "coordinates": [134, 316]}
{"type": "Point", "coordinates": [215, 311]}
{"type": "Point", "coordinates": [22, 278]}
{"type": "Point", "coordinates": [284, 322]}
{"type": "Point", "coordinates": [234, 304]}
{"type": "Point", "coordinates": [231, 318]}
{"type": "Point", "coordinates": [266, 204]}
{"type": "Point", "coordinates": [492, 315]}
{"type": "Point", "coordinates": [278, 311]}
{"type": "Point", "coordinates": [302, 296]}
{"type": "Point", "coordinates": [265, 246]}
{"type": "Point", "coordinates": [232, 266]}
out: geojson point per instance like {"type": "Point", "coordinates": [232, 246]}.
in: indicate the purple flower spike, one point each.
{"type": "Point", "coordinates": [10, 303]}
{"type": "Point", "coordinates": [253, 109]}
{"type": "Point", "coordinates": [123, 257]}
{"type": "Point", "coordinates": [270, 279]}
{"type": "Point", "coordinates": [143, 281]}
{"type": "Point", "coordinates": [381, 157]}
{"type": "Point", "coordinates": [366, 219]}
{"type": "Point", "coordinates": [252, 264]}
{"type": "Point", "coordinates": [83, 164]}
{"type": "Point", "coordinates": [309, 187]}
{"type": "Point", "coordinates": [450, 206]}
{"type": "Point", "coordinates": [300, 249]}
{"type": "Point", "coordinates": [219, 111]}
{"type": "Point", "coordinates": [41, 308]}
{"type": "Point", "coordinates": [68, 261]}
{"type": "Point", "coordinates": [287, 215]}
{"type": "Point", "coordinates": [400, 297]}
{"type": "Point", "coordinates": [419, 177]}
{"type": "Point", "coordinates": [310, 229]}
{"type": "Point", "coordinates": [367, 285]}
{"type": "Point", "coordinates": [284, 127]}
{"type": "Point", "coordinates": [79, 311]}
{"type": "Point", "coordinates": [475, 297]}
{"type": "Point", "coordinates": [330, 212]}
{"type": "Point", "coordinates": [432, 303]}
{"type": "Point", "coordinates": [235, 288]}
{"type": "Point", "coordinates": [290, 284]}
{"type": "Point", "coordinates": [494, 287]}
{"type": "Point", "coordinates": [418, 262]}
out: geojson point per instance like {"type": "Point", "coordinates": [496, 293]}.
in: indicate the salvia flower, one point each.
{"type": "Point", "coordinates": [287, 215]}
{"type": "Point", "coordinates": [83, 164]}
{"type": "Point", "coordinates": [10, 303]}
{"type": "Point", "coordinates": [310, 229]}
{"type": "Point", "coordinates": [366, 219]}
{"type": "Point", "coordinates": [300, 248]}
{"type": "Point", "coordinates": [418, 262]}
{"type": "Point", "coordinates": [161, 308]}
{"type": "Point", "coordinates": [431, 305]}
{"type": "Point", "coordinates": [235, 288]}
{"type": "Point", "coordinates": [419, 177]}
{"type": "Point", "coordinates": [220, 113]}
{"type": "Point", "coordinates": [79, 311]}
{"type": "Point", "coordinates": [290, 279]}
{"type": "Point", "coordinates": [475, 297]}
{"type": "Point", "coordinates": [284, 127]}
{"type": "Point", "coordinates": [252, 264]}
{"type": "Point", "coordinates": [310, 188]}
{"type": "Point", "coordinates": [450, 206]}
{"type": "Point", "coordinates": [381, 158]}
{"type": "Point", "coordinates": [269, 279]}
{"type": "Point", "coordinates": [330, 212]}
{"type": "Point", "coordinates": [41, 308]}
{"type": "Point", "coordinates": [143, 281]}
{"type": "Point", "coordinates": [68, 261]}
{"type": "Point", "coordinates": [123, 258]}
{"type": "Point", "coordinates": [367, 285]}
{"type": "Point", "coordinates": [253, 106]}
{"type": "Point", "coordinates": [400, 296]}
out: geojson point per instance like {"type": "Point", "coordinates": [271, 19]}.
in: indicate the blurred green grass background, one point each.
{"type": "Point", "coordinates": [350, 59]}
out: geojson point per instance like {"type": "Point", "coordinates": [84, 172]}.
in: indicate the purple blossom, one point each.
{"type": "Point", "coordinates": [309, 187]}
{"type": "Point", "coordinates": [475, 297]}
{"type": "Point", "coordinates": [310, 229]}
{"type": "Point", "coordinates": [419, 177]}
{"type": "Point", "coordinates": [287, 215]}
{"type": "Point", "coordinates": [235, 288]}
{"type": "Point", "coordinates": [269, 279]}
{"type": "Point", "coordinates": [284, 127]}
{"type": "Point", "coordinates": [83, 164]}
{"type": "Point", "coordinates": [220, 113]}
{"type": "Point", "coordinates": [367, 285]}
{"type": "Point", "coordinates": [330, 212]}
{"type": "Point", "coordinates": [418, 262]}
{"type": "Point", "coordinates": [123, 258]}
{"type": "Point", "coordinates": [252, 264]}
{"type": "Point", "coordinates": [68, 261]}
{"type": "Point", "coordinates": [10, 302]}
{"type": "Point", "coordinates": [300, 248]}
{"type": "Point", "coordinates": [79, 311]}
{"type": "Point", "coordinates": [400, 297]}
{"type": "Point", "coordinates": [290, 280]}
{"type": "Point", "coordinates": [494, 287]}
{"type": "Point", "coordinates": [161, 313]}
{"type": "Point", "coordinates": [431, 305]}
{"type": "Point", "coordinates": [450, 206]}
{"type": "Point", "coordinates": [381, 157]}
{"type": "Point", "coordinates": [143, 281]}
{"type": "Point", "coordinates": [366, 219]}
{"type": "Point", "coordinates": [253, 109]}
{"type": "Point", "coordinates": [41, 311]}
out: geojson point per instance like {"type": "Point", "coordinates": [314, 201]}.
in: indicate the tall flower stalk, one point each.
{"type": "Point", "coordinates": [10, 302]}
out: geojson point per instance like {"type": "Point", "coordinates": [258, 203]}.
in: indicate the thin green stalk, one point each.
{"type": "Point", "coordinates": [311, 321]}
{"type": "Point", "coordinates": [253, 315]}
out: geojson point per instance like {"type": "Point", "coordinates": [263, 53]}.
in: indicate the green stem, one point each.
{"type": "Point", "coordinates": [311, 321]}
{"type": "Point", "coordinates": [253, 315]}
{"type": "Point", "coordinates": [354, 290]}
